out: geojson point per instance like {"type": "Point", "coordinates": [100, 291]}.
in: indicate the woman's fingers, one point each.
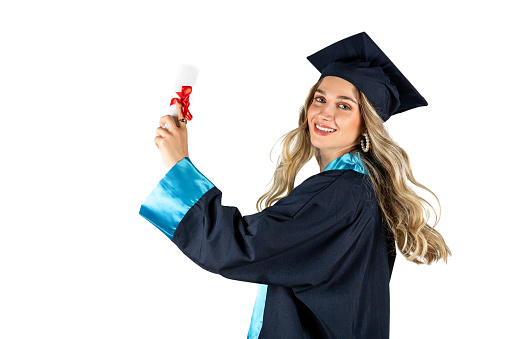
{"type": "Point", "coordinates": [167, 121]}
{"type": "Point", "coordinates": [172, 141]}
{"type": "Point", "coordinates": [180, 116]}
{"type": "Point", "coordinates": [161, 131]}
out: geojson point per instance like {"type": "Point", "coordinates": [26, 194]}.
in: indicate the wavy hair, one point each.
{"type": "Point", "coordinates": [405, 213]}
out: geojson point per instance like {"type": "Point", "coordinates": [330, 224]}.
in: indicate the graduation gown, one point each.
{"type": "Point", "coordinates": [323, 250]}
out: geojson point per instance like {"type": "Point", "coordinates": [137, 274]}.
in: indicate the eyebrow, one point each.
{"type": "Point", "coordinates": [340, 97]}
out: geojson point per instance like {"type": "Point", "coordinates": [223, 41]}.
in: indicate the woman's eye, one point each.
{"type": "Point", "coordinates": [342, 106]}
{"type": "Point", "coordinates": [319, 99]}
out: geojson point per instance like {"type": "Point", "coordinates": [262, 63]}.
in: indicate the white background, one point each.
{"type": "Point", "coordinates": [84, 83]}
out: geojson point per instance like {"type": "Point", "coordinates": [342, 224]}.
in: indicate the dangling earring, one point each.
{"type": "Point", "coordinates": [365, 148]}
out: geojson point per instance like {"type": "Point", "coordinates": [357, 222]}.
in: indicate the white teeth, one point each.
{"type": "Point", "coordinates": [325, 129]}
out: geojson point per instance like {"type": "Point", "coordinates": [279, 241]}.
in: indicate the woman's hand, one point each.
{"type": "Point", "coordinates": [172, 142]}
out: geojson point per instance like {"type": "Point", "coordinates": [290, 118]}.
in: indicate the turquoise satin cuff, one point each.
{"type": "Point", "coordinates": [347, 161]}
{"type": "Point", "coordinates": [175, 194]}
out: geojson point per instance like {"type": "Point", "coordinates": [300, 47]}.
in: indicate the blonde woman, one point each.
{"type": "Point", "coordinates": [323, 251]}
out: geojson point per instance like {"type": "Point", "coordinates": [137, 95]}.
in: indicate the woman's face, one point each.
{"type": "Point", "coordinates": [334, 119]}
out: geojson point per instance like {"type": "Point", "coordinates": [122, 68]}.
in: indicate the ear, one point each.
{"type": "Point", "coordinates": [364, 128]}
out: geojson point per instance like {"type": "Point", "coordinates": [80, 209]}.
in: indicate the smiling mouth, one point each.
{"type": "Point", "coordinates": [328, 130]}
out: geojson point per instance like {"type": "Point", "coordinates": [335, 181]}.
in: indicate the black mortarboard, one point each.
{"type": "Point", "coordinates": [360, 61]}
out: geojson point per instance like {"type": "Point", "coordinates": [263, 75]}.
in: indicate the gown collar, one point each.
{"type": "Point", "coordinates": [347, 161]}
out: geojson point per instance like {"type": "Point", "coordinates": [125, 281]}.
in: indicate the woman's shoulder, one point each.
{"type": "Point", "coordinates": [329, 192]}
{"type": "Point", "coordinates": [344, 177]}
{"type": "Point", "coordinates": [336, 183]}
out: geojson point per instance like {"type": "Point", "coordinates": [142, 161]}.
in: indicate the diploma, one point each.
{"type": "Point", "coordinates": [187, 77]}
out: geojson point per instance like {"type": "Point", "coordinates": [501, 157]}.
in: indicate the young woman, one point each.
{"type": "Point", "coordinates": [323, 251]}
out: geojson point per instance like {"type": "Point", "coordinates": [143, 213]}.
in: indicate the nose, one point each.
{"type": "Point", "coordinates": [326, 112]}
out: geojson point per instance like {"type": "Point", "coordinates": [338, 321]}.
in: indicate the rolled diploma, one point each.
{"type": "Point", "coordinates": [187, 76]}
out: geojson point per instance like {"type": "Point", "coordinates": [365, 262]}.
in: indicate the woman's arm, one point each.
{"type": "Point", "coordinates": [299, 241]}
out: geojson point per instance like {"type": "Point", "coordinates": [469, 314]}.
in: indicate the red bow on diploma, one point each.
{"type": "Point", "coordinates": [184, 100]}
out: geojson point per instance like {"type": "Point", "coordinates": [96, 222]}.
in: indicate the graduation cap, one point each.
{"type": "Point", "coordinates": [360, 61]}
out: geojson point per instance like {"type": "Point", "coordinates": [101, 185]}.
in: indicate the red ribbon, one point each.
{"type": "Point", "coordinates": [184, 100]}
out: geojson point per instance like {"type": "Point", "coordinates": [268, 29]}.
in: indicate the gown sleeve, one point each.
{"type": "Point", "coordinates": [299, 241]}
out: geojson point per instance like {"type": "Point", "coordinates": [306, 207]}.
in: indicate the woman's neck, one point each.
{"type": "Point", "coordinates": [326, 156]}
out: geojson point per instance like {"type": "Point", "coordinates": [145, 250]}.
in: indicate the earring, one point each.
{"type": "Point", "coordinates": [365, 148]}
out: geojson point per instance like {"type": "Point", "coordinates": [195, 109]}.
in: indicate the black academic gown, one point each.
{"type": "Point", "coordinates": [323, 250]}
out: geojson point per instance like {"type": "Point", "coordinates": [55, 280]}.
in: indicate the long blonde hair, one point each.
{"type": "Point", "coordinates": [405, 213]}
